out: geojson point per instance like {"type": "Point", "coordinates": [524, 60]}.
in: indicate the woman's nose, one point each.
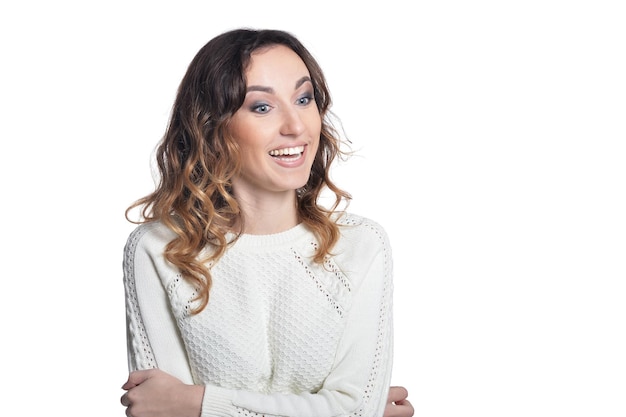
{"type": "Point", "coordinates": [292, 124]}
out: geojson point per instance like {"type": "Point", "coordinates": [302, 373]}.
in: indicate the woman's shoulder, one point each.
{"type": "Point", "coordinates": [363, 247]}
{"type": "Point", "coordinates": [149, 236]}
{"type": "Point", "coordinates": [355, 223]}
{"type": "Point", "coordinates": [359, 231]}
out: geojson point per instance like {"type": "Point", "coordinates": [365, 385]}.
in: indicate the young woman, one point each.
{"type": "Point", "coordinates": [245, 295]}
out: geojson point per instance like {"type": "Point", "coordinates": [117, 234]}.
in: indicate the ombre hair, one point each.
{"type": "Point", "coordinates": [198, 158]}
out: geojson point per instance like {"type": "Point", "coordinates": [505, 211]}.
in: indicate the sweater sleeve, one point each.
{"type": "Point", "coordinates": [359, 381]}
{"type": "Point", "coordinates": [153, 339]}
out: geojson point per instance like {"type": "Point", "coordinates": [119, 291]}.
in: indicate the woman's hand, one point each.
{"type": "Point", "coordinates": [154, 393]}
{"type": "Point", "coordinates": [397, 403]}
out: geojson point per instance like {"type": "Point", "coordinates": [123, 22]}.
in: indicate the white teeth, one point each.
{"type": "Point", "coordinates": [287, 151]}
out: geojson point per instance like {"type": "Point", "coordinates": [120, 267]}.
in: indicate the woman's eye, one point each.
{"type": "Point", "coordinates": [261, 108]}
{"type": "Point", "coordinates": [304, 100]}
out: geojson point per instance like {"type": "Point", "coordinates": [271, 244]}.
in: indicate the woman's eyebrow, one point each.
{"type": "Point", "coordinates": [260, 88]}
{"type": "Point", "coordinates": [270, 90]}
{"type": "Point", "coordinates": [302, 81]}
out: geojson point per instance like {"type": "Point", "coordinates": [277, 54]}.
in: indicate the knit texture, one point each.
{"type": "Point", "coordinates": [281, 335]}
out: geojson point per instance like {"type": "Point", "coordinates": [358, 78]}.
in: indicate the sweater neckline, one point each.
{"type": "Point", "coordinates": [250, 241]}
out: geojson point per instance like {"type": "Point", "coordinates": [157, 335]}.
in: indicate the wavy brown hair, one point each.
{"type": "Point", "coordinates": [197, 158]}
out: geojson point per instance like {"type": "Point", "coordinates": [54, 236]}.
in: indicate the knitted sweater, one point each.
{"type": "Point", "coordinates": [281, 335]}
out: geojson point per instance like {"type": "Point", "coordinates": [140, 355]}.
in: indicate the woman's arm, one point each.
{"type": "Point", "coordinates": [153, 339]}
{"type": "Point", "coordinates": [160, 382]}
{"type": "Point", "coordinates": [157, 394]}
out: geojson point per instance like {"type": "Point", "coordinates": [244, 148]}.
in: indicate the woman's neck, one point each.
{"type": "Point", "coordinates": [268, 214]}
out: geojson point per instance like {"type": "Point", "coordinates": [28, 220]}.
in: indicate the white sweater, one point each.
{"type": "Point", "coordinates": [281, 335]}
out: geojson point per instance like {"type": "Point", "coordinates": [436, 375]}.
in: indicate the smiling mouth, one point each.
{"type": "Point", "coordinates": [287, 153]}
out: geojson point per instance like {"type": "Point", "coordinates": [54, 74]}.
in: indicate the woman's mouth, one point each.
{"type": "Point", "coordinates": [287, 154]}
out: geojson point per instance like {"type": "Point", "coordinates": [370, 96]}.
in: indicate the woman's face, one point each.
{"type": "Point", "coordinates": [278, 126]}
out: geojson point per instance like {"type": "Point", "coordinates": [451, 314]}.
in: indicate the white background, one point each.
{"type": "Point", "coordinates": [491, 146]}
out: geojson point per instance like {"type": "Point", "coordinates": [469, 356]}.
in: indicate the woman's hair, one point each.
{"type": "Point", "coordinates": [198, 158]}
